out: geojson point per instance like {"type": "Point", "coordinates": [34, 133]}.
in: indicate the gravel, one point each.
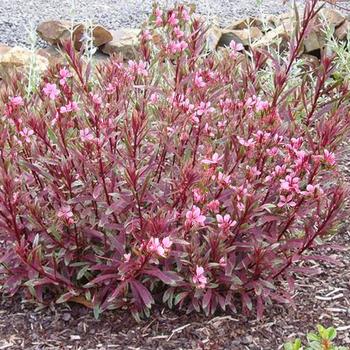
{"type": "Point", "coordinates": [16, 16]}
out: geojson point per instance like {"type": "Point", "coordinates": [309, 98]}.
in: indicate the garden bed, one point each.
{"type": "Point", "coordinates": [154, 223]}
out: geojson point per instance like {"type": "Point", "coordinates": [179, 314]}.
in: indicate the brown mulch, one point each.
{"type": "Point", "coordinates": [321, 299]}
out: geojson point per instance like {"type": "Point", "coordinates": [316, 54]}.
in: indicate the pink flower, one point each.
{"type": "Point", "coordinates": [223, 180]}
{"type": "Point", "coordinates": [154, 98]}
{"type": "Point", "coordinates": [65, 212]}
{"type": "Point", "coordinates": [146, 35]}
{"type": "Point", "coordinates": [86, 135]}
{"type": "Point", "coordinates": [290, 183]}
{"type": "Point", "coordinates": [185, 15]}
{"type": "Point", "coordinates": [261, 105]}
{"type": "Point", "coordinates": [127, 257]}
{"type": "Point", "coordinates": [222, 124]}
{"type": "Point", "coordinates": [161, 248]}
{"type": "Point", "coordinates": [214, 206]}
{"type": "Point", "coordinates": [159, 21]}
{"type": "Point", "coordinates": [197, 195]}
{"type": "Point", "coordinates": [16, 101]}
{"type": "Point", "coordinates": [167, 243]}
{"type": "Point", "coordinates": [225, 222]}
{"type": "Point", "coordinates": [214, 159]}
{"type": "Point", "coordinates": [139, 68]}
{"type": "Point", "coordinates": [223, 262]}
{"type": "Point", "coordinates": [235, 48]}
{"type": "Point", "coordinates": [205, 108]}
{"type": "Point", "coordinates": [199, 278]}
{"type": "Point", "coordinates": [313, 191]}
{"type": "Point", "coordinates": [64, 74]}
{"type": "Point", "coordinates": [249, 143]}
{"type": "Point", "coordinates": [329, 157]}
{"type": "Point", "coordinates": [178, 32]}
{"type": "Point", "coordinates": [172, 20]}
{"type": "Point", "coordinates": [51, 91]}
{"type": "Point", "coordinates": [96, 99]}
{"type": "Point", "coordinates": [286, 201]}
{"type": "Point", "coordinates": [198, 81]}
{"type": "Point", "coordinates": [26, 133]}
{"type": "Point", "coordinates": [194, 217]}
{"type": "Point", "coordinates": [154, 245]}
{"type": "Point", "coordinates": [70, 107]}
{"type": "Point", "coordinates": [177, 46]}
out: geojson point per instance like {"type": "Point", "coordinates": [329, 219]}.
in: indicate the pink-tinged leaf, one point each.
{"type": "Point", "coordinates": [259, 308]}
{"type": "Point", "coordinates": [247, 302]}
{"type": "Point", "coordinates": [180, 297]}
{"type": "Point", "coordinates": [116, 292]}
{"type": "Point", "coordinates": [207, 298]}
{"type": "Point", "coordinates": [102, 278]}
{"type": "Point", "coordinates": [281, 299]}
{"type": "Point", "coordinates": [222, 302]}
{"type": "Point", "coordinates": [97, 191]}
{"type": "Point", "coordinates": [66, 297]}
{"type": "Point", "coordinates": [167, 277]}
{"type": "Point", "coordinates": [142, 292]}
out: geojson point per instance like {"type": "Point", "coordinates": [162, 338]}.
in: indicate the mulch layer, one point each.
{"type": "Point", "coordinates": [324, 299]}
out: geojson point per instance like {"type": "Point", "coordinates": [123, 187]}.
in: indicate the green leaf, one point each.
{"type": "Point", "coordinates": [288, 346]}
{"type": "Point", "coordinates": [331, 333]}
{"type": "Point", "coordinates": [97, 312]}
{"type": "Point", "coordinates": [313, 337]}
{"type": "Point", "coordinates": [315, 345]}
{"type": "Point", "coordinates": [82, 272]}
{"type": "Point", "coordinates": [322, 331]}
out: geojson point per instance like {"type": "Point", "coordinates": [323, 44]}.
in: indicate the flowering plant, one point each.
{"type": "Point", "coordinates": [174, 177]}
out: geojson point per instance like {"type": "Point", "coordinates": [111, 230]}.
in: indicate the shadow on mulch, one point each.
{"type": "Point", "coordinates": [321, 299]}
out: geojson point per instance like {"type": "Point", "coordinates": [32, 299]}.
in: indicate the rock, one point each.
{"type": "Point", "coordinates": [341, 33]}
{"type": "Point", "coordinates": [313, 41]}
{"type": "Point", "coordinates": [246, 23]}
{"type": "Point", "coordinates": [100, 35]}
{"type": "Point", "coordinates": [100, 57]}
{"type": "Point", "coordinates": [226, 37]}
{"type": "Point", "coordinates": [310, 60]}
{"type": "Point", "coordinates": [333, 17]}
{"type": "Point", "coordinates": [124, 41]}
{"type": "Point", "coordinates": [51, 53]}
{"type": "Point", "coordinates": [213, 36]}
{"type": "Point", "coordinates": [20, 58]}
{"type": "Point", "coordinates": [277, 38]}
{"type": "Point", "coordinates": [285, 20]}
{"type": "Point", "coordinates": [54, 32]}
{"type": "Point", "coordinates": [4, 48]}
{"type": "Point", "coordinates": [245, 36]}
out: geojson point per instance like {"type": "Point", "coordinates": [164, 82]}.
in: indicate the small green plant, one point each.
{"type": "Point", "coordinates": [322, 340]}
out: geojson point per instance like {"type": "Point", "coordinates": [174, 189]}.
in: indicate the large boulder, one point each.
{"type": "Point", "coordinates": [246, 23]}
{"type": "Point", "coordinates": [341, 33]}
{"type": "Point", "coordinates": [124, 42]}
{"type": "Point", "coordinates": [21, 58]}
{"type": "Point", "coordinates": [100, 35]}
{"type": "Point", "coordinates": [54, 32]}
{"type": "Point", "coordinates": [245, 36]}
{"type": "Point", "coordinates": [277, 38]}
{"type": "Point", "coordinates": [333, 17]}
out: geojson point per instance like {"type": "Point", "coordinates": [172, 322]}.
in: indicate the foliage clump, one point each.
{"type": "Point", "coordinates": [176, 177]}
